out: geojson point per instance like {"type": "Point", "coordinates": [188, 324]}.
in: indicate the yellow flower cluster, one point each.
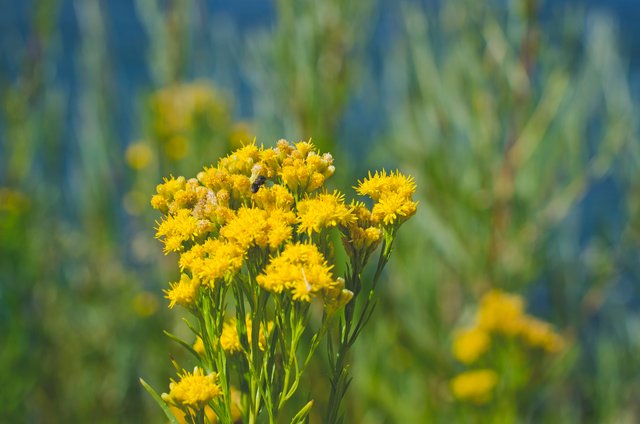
{"type": "Point", "coordinates": [230, 340]}
{"type": "Point", "coordinates": [503, 313]}
{"type": "Point", "coordinates": [300, 268]}
{"type": "Point", "coordinates": [392, 195]}
{"type": "Point", "coordinates": [362, 234]}
{"type": "Point", "coordinates": [322, 212]}
{"type": "Point", "coordinates": [269, 200]}
{"type": "Point", "coordinates": [475, 386]}
{"type": "Point", "coordinates": [183, 292]}
{"type": "Point", "coordinates": [194, 390]}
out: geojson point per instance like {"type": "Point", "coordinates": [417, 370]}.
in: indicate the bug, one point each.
{"type": "Point", "coordinates": [260, 180]}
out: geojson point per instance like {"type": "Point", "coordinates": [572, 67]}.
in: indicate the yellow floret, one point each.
{"type": "Point", "coordinates": [230, 340]}
{"type": "Point", "coordinates": [184, 292]}
{"type": "Point", "coordinates": [323, 211]}
{"type": "Point", "coordinates": [176, 229]}
{"type": "Point", "coordinates": [501, 312]}
{"type": "Point", "coordinates": [470, 344]}
{"type": "Point", "coordinates": [380, 183]}
{"type": "Point", "coordinates": [393, 207]}
{"type": "Point", "coordinates": [194, 390]}
{"type": "Point", "coordinates": [301, 269]}
{"type": "Point", "coordinates": [475, 386]}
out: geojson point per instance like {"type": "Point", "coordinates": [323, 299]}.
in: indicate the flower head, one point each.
{"type": "Point", "coordinates": [184, 292]}
{"type": "Point", "coordinates": [475, 386]}
{"type": "Point", "coordinates": [300, 268]}
{"type": "Point", "coordinates": [470, 344]}
{"type": "Point", "coordinates": [323, 211]}
{"type": "Point", "coordinates": [230, 340]}
{"type": "Point", "coordinates": [194, 389]}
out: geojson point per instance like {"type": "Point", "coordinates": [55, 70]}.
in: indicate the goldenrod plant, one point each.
{"type": "Point", "coordinates": [257, 262]}
{"type": "Point", "coordinates": [505, 356]}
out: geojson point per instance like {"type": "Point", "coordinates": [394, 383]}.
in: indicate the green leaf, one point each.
{"type": "Point", "coordinates": [182, 343]}
{"type": "Point", "coordinates": [160, 402]}
{"type": "Point", "coordinates": [302, 414]}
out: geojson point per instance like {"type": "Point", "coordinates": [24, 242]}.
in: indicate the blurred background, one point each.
{"type": "Point", "coordinates": [518, 119]}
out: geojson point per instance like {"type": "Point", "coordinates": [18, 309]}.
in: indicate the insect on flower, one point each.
{"type": "Point", "coordinates": [260, 180]}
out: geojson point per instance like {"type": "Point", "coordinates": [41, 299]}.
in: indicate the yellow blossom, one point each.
{"type": "Point", "coordinates": [274, 197]}
{"type": "Point", "coordinates": [540, 334]}
{"type": "Point", "coordinates": [176, 229]}
{"type": "Point", "coordinates": [198, 346]}
{"type": "Point", "coordinates": [322, 212]}
{"type": "Point", "coordinates": [241, 161]}
{"type": "Point", "coordinates": [194, 390]}
{"type": "Point", "coordinates": [393, 207]}
{"type": "Point", "coordinates": [300, 268]}
{"type": "Point", "coordinates": [501, 312]}
{"type": "Point", "coordinates": [336, 297]}
{"type": "Point", "coordinates": [380, 183]}
{"type": "Point", "coordinates": [470, 344]}
{"type": "Point", "coordinates": [138, 155]}
{"type": "Point", "coordinates": [230, 340]}
{"type": "Point", "coordinates": [219, 260]}
{"type": "Point", "coordinates": [303, 169]}
{"type": "Point", "coordinates": [166, 191]}
{"type": "Point", "coordinates": [183, 292]}
{"type": "Point", "coordinates": [475, 386]}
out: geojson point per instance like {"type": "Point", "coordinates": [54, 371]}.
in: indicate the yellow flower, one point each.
{"type": "Point", "coordinates": [303, 169]}
{"type": "Point", "coordinates": [470, 344]}
{"type": "Point", "coordinates": [138, 155]}
{"type": "Point", "coordinates": [257, 227]}
{"type": "Point", "coordinates": [540, 334]}
{"type": "Point", "coordinates": [198, 346]}
{"type": "Point", "coordinates": [393, 207]}
{"type": "Point", "coordinates": [392, 194]}
{"type": "Point", "coordinates": [274, 197]}
{"type": "Point", "coordinates": [194, 390]}
{"type": "Point", "coordinates": [176, 229]}
{"type": "Point", "coordinates": [475, 386]}
{"type": "Point", "coordinates": [184, 292]}
{"type": "Point", "coordinates": [361, 236]}
{"type": "Point", "coordinates": [230, 340]}
{"type": "Point", "coordinates": [176, 147]}
{"type": "Point", "coordinates": [322, 212]}
{"type": "Point", "coordinates": [336, 297]}
{"type": "Point", "coordinates": [300, 268]}
{"type": "Point", "coordinates": [380, 183]}
{"type": "Point", "coordinates": [166, 191]}
{"type": "Point", "coordinates": [213, 261]}
{"type": "Point", "coordinates": [501, 312]}
{"type": "Point", "coordinates": [241, 161]}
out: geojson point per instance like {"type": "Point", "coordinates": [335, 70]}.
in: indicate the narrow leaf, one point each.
{"type": "Point", "coordinates": [159, 401]}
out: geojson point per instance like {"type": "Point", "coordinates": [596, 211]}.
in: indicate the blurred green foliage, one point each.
{"type": "Point", "coordinates": [517, 136]}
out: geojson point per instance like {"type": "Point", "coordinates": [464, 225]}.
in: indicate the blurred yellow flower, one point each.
{"type": "Point", "coordinates": [540, 334]}
{"type": "Point", "coordinates": [230, 340]}
{"type": "Point", "coordinates": [138, 155]}
{"type": "Point", "coordinates": [469, 344]}
{"type": "Point", "coordinates": [145, 303]}
{"type": "Point", "coordinates": [475, 386]}
{"type": "Point", "coordinates": [198, 346]}
{"type": "Point", "coordinates": [501, 312]}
